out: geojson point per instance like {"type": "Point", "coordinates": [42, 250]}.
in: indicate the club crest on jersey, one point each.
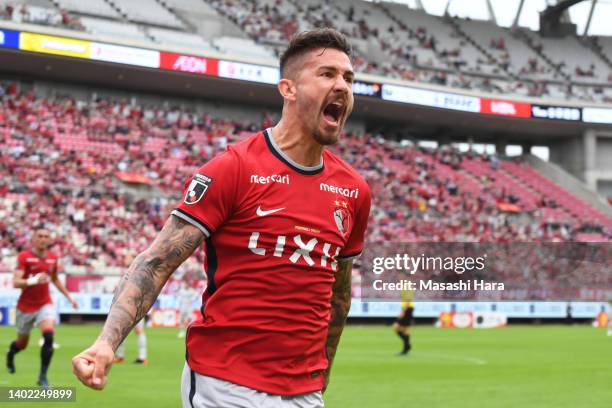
{"type": "Point", "coordinates": [197, 188]}
{"type": "Point", "coordinates": [342, 216]}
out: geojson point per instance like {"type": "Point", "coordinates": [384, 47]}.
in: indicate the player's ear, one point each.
{"type": "Point", "coordinates": [287, 89]}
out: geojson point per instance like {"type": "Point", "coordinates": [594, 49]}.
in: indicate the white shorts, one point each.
{"type": "Point", "coordinates": [200, 391]}
{"type": "Point", "coordinates": [26, 321]}
{"type": "Point", "coordinates": [185, 315]}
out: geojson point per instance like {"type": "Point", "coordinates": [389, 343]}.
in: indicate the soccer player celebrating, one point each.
{"type": "Point", "coordinates": [36, 267]}
{"type": "Point", "coordinates": [281, 218]}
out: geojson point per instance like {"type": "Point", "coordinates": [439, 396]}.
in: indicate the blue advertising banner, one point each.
{"type": "Point", "coordinates": [9, 38]}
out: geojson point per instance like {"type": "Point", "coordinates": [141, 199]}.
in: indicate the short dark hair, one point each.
{"type": "Point", "coordinates": [40, 226]}
{"type": "Point", "coordinates": [311, 40]}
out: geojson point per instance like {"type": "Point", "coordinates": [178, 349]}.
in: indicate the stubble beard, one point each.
{"type": "Point", "coordinates": [326, 140]}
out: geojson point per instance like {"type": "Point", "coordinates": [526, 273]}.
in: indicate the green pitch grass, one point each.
{"type": "Point", "coordinates": [519, 367]}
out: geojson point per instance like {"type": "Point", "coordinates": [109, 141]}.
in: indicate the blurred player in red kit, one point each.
{"type": "Point", "coordinates": [281, 218]}
{"type": "Point", "coordinates": [36, 267]}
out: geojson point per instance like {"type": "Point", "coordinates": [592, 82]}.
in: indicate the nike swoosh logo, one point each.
{"type": "Point", "coordinates": [263, 213]}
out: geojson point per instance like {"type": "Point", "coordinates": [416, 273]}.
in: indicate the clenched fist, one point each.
{"type": "Point", "coordinates": [91, 366]}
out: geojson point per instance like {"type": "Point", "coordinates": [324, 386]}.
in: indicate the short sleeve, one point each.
{"type": "Point", "coordinates": [56, 266]}
{"type": "Point", "coordinates": [21, 261]}
{"type": "Point", "coordinates": [354, 245]}
{"type": "Point", "coordinates": [209, 196]}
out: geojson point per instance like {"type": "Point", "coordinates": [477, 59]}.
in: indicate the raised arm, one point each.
{"type": "Point", "coordinates": [340, 305]}
{"type": "Point", "coordinates": [19, 282]}
{"type": "Point", "coordinates": [135, 295]}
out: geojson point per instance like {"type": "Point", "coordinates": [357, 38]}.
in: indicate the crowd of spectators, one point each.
{"type": "Point", "coordinates": [24, 13]}
{"type": "Point", "coordinates": [404, 51]}
{"type": "Point", "coordinates": [409, 53]}
{"type": "Point", "coordinates": [87, 143]}
{"type": "Point", "coordinates": [582, 72]}
{"type": "Point", "coordinates": [91, 228]}
{"type": "Point", "coordinates": [61, 161]}
{"type": "Point", "coordinates": [72, 186]}
{"type": "Point", "coordinates": [427, 195]}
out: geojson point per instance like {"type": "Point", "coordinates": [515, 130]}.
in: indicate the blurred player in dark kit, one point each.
{"type": "Point", "coordinates": [404, 321]}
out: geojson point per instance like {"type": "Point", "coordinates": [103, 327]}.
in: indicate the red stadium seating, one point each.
{"type": "Point", "coordinates": [60, 160]}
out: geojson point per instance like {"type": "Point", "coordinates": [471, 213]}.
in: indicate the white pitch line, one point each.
{"type": "Point", "coordinates": [474, 360]}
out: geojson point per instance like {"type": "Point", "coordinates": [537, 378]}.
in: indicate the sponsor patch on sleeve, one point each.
{"type": "Point", "coordinates": [197, 188]}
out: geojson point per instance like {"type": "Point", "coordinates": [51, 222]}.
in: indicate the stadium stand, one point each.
{"type": "Point", "coordinates": [148, 12]}
{"type": "Point", "coordinates": [242, 46]}
{"type": "Point", "coordinates": [511, 53]}
{"type": "Point", "coordinates": [187, 6]}
{"type": "Point", "coordinates": [69, 158]}
{"type": "Point", "coordinates": [78, 155]}
{"type": "Point", "coordinates": [390, 39]}
{"type": "Point", "coordinates": [202, 19]}
{"type": "Point", "coordinates": [40, 12]}
{"type": "Point", "coordinates": [413, 45]}
{"type": "Point", "coordinates": [98, 8]}
{"type": "Point", "coordinates": [180, 39]}
{"type": "Point", "coordinates": [113, 28]}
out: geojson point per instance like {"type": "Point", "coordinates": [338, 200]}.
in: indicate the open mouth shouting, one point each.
{"type": "Point", "coordinates": [334, 112]}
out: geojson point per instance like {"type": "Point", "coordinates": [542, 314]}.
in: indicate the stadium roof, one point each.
{"type": "Point", "coordinates": [504, 12]}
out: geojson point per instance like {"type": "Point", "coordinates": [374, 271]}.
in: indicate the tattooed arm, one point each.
{"type": "Point", "coordinates": [145, 278]}
{"type": "Point", "coordinates": [136, 293]}
{"type": "Point", "coordinates": [340, 305]}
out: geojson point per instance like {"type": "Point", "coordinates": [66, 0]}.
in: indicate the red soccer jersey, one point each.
{"type": "Point", "coordinates": [275, 231]}
{"type": "Point", "coordinates": [34, 297]}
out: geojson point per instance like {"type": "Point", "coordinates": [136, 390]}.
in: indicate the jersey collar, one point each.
{"type": "Point", "coordinates": [44, 256]}
{"type": "Point", "coordinates": [276, 151]}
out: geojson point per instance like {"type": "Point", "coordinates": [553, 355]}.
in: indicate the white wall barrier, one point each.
{"type": "Point", "coordinates": [99, 304]}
